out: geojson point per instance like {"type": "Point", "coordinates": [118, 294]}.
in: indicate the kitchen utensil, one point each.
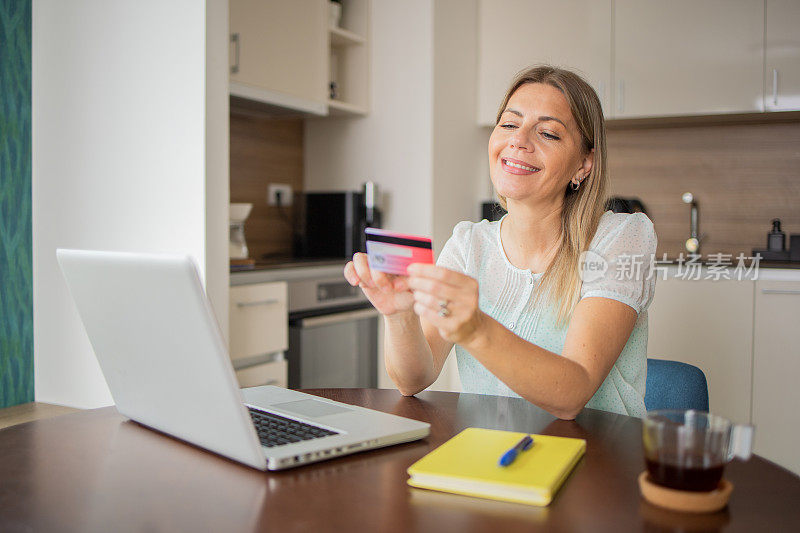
{"type": "Point", "coordinates": [238, 213]}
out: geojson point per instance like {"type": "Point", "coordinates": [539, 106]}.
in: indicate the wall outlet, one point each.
{"type": "Point", "coordinates": [282, 189]}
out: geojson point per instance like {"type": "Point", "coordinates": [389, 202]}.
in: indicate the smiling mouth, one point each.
{"type": "Point", "coordinates": [527, 169]}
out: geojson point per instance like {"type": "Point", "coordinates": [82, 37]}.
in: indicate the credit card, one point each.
{"type": "Point", "coordinates": [392, 252]}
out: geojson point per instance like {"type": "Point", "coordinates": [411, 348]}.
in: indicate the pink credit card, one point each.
{"type": "Point", "coordinates": [392, 252]}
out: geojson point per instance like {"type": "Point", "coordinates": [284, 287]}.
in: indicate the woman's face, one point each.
{"type": "Point", "coordinates": [536, 149]}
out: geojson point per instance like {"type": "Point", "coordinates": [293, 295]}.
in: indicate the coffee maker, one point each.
{"type": "Point", "coordinates": [331, 224]}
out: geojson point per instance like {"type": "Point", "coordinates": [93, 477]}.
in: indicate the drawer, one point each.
{"type": "Point", "coordinates": [258, 319]}
{"type": "Point", "coordinates": [272, 373]}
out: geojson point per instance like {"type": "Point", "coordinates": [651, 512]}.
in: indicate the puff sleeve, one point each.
{"type": "Point", "coordinates": [619, 262]}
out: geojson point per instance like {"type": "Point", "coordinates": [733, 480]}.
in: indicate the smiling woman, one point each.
{"type": "Point", "coordinates": [573, 136]}
{"type": "Point", "coordinates": [511, 295]}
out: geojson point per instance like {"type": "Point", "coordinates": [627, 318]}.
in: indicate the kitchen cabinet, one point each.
{"type": "Point", "coordinates": [271, 373]}
{"type": "Point", "coordinates": [280, 52]}
{"type": "Point", "coordinates": [648, 58]}
{"type": "Point", "coordinates": [782, 69]}
{"type": "Point", "coordinates": [448, 380]}
{"type": "Point", "coordinates": [258, 327]}
{"type": "Point", "coordinates": [688, 58]}
{"type": "Point", "coordinates": [776, 369]}
{"type": "Point", "coordinates": [349, 59]}
{"type": "Point", "coordinates": [515, 34]}
{"type": "Point", "coordinates": [708, 324]}
{"type": "Point", "coordinates": [287, 54]}
{"type": "Point", "coordinates": [744, 336]}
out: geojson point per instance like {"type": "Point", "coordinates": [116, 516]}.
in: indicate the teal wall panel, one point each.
{"type": "Point", "coordinates": [16, 264]}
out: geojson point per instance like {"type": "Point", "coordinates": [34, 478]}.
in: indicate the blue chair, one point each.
{"type": "Point", "coordinates": [674, 385]}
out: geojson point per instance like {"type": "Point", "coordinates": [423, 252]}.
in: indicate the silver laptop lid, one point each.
{"type": "Point", "coordinates": [160, 349]}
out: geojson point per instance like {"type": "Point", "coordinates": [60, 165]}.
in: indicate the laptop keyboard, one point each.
{"type": "Point", "coordinates": [275, 430]}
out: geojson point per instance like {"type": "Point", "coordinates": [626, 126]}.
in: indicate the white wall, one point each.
{"type": "Point", "coordinates": [460, 167]}
{"type": "Point", "coordinates": [217, 149]}
{"type": "Point", "coordinates": [119, 157]}
{"type": "Point", "coordinates": [420, 141]}
{"type": "Point", "coordinates": [393, 145]}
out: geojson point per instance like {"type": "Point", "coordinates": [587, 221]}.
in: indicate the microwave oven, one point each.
{"type": "Point", "coordinates": [332, 224]}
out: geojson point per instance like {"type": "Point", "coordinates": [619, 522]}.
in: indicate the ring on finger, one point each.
{"type": "Point", "coordinates": [443, 310]}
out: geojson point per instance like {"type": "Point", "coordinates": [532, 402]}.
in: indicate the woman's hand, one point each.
{"type": "Point", "coordinates": [448, 300]}
{"type": "Point", "coordinates": [388, 293]}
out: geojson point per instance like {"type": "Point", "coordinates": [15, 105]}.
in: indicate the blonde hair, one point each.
{"type": "Point", "coordinates": [583, 208]}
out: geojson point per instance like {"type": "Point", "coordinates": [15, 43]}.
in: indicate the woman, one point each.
{"type": "Point", "coordinates": [528, 317]}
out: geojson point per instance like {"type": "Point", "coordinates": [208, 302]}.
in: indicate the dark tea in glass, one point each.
{"type": "Point", "coordinates": [704, 474]}
{"type": "Point", "coordinates": [688, 450]}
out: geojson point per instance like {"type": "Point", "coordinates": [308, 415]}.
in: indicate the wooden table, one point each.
{"type": "Point", "coordinates": [97, 471]}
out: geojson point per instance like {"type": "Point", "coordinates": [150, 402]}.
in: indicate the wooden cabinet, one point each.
{"type": "Point", "coordinates": [272, 373]}
{"type": "Point", "coordinates": [349, 60]}
{"type": "Point", "coordinates": [782, 69]}
{"type": "Point", "coordinates": [648, 58]}
{"type": "Point", "coordinates": [448, 379]}
{"type": "Point", "coordinates": [744, 335]}
{"type": "Point", "coordinates": [258, 320]}
{"type": "Point", "coordinates": [776, 370]}
{"type": "Point", "coordinates": [708, 324]}
{"type": "Point", "coordinates": [515, 34]}
{"type": "Point", "coordinates": [280, 52]}
{"type": "Point", "coordinates": [285, 54]}
{"type": "Point", "coordinates": [688, 58]}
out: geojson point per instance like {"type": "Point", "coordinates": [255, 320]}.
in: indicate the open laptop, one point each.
{"type": "Point", "coordinates": [167, 366]}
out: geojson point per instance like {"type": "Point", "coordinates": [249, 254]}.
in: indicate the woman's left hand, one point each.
{"type": "Point", "coordinates": [448, 300]}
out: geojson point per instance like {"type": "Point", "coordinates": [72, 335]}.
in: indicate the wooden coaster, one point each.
{"type": "Point", "coordinates": [684, 500]}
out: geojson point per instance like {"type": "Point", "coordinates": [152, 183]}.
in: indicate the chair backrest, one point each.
{"type": "Point", "coordinates": [675, 385]}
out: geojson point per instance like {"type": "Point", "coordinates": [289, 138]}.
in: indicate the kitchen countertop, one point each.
{"type": "Point", "coordinates": [672, 261]}
{"type": "Point", "coordinates": [288, 270]}
{"type": "Point", "coordinates": [289, 263]}
{"type": "Point", "coordinates": [780, 264]}
{"type": "Point", "coordinates": [292, 269]}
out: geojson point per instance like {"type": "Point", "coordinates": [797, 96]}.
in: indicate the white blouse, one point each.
{"type": "Point", "coordinates": [618, 266]}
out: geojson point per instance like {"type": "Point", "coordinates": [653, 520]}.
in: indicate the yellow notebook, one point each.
{"type": "Point", "coordinates": [467, 464]}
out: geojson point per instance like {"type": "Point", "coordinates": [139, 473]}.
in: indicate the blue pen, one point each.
{"type": "Point", "coordinates": [511, 454]}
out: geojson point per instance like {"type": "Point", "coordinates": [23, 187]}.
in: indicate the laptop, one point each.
{"type": "Point", "coordinates": [167, 367]}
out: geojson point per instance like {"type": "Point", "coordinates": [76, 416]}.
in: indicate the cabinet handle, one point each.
{"type": "Point", "coordinates": [271, 301]}
{"type": "Point", "coordinates": [337, 318]}
{"type": "Point", "coordinates": [235, 41]}
{"type": "Point", "coordinates": [775, 87]}
{"type": "Point", "coordinates": [780, 291]}
{"type": "Point", "coordinates": [621, 96]}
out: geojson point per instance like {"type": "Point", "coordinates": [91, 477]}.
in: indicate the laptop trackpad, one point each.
{"type": "Point", "coordinates": [310, 408]}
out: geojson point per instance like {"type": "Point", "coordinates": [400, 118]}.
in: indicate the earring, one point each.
{"type": "Point", "coordinates": [574, 186]}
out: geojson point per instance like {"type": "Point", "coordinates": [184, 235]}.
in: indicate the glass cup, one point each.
{"type": "Point", "coordinates": [688, 450]}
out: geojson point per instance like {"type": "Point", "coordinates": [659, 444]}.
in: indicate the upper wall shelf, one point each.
{"type": "Point", "coordinates": [337, 108]}
{"type": "Point", "coordinates": [341, 37]}
{"type": "Point", "coordinates": [287, 55]}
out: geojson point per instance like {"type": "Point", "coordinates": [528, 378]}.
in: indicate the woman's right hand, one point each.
{"type": "Point", "coordinates": [388, 293]}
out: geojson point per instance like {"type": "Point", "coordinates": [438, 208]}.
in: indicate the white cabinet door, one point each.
{"type": "Point", "coordinates": [449, 379]}
{"type": "Point", "coordinates": [272, 373]}
{"type": "Point", "coordinates": [708, 324]}
{"type": "Point", "coordinates": [776, 369]}
{"type": "Point", "coordinates": [258, 319]}
{"type": "Point", "coordinates": [783, 56]}
{"type": "Point", "coordinates": [279, 52]}
{"type": "Point", "coordinates": [515, 34]}
{"type": "Point", "coordinates": [685, 57]}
